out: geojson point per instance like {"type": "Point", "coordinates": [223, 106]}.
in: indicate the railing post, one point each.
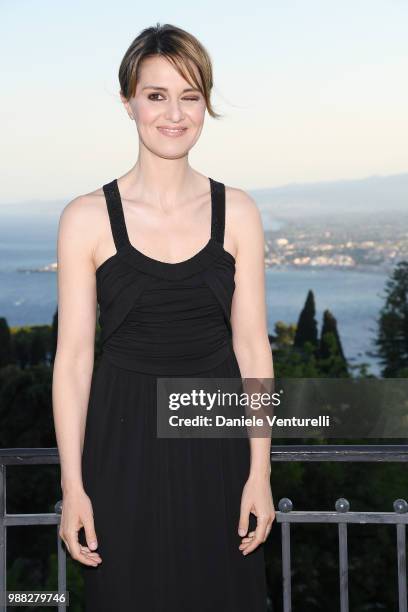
{"type": "Point", "coordinates": [401, 507]}
{"type": "Point", "coordinates": [3, 539]}
{"type": "Point", "coordinates": [285, 505]}
{"type": "Point", "coordinates": [62, 560]}
{"type": "Point", "coordinates": [342, 505]}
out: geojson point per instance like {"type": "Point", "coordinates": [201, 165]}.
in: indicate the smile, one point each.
{"type": "Point", "coordinates": [172, 131]}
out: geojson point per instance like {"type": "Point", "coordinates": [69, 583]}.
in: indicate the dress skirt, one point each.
{"type": "Point", "coordinates": [166, 511]}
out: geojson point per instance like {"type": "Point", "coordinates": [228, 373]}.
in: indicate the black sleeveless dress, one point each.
{"type": "Point", "coordinates": [166, 511]}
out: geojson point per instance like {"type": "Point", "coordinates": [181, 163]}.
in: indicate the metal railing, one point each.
{"type": "Point", "coordinates": [284, 515]}
{"type": "Point", "coordinates": [342, 515]}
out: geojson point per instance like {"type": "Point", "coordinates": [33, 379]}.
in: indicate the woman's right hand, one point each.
{"type": "Point", "coordinates": [76, 513]}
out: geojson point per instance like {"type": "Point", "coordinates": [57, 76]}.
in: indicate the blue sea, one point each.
{"type": "Point", "coordinates": [353, 297]}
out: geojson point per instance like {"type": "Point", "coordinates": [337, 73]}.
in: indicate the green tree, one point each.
{"type": "Point", "coordinates": [54, 335]}
{"type": "Point", "coordinates": [21, 344]}
{"type": "Point", "coordinates": [284, 334]}
{"type": "Point", "coordinates": [5, 343]}
{"type": "Point", "coordinates": [392, 331]}
{"type": "Point", "coordinates": [38, 349]}
{"type": "Point", "coordinates": [332, 360]}
{"type": "Point", "coordinates": [306, 330]}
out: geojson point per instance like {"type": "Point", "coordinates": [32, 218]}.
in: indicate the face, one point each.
{"type": "Point", "coordinates": [169, 113]}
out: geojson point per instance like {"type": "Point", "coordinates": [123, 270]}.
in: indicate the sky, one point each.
{"type": "Point", "coordinates": [310, 90]}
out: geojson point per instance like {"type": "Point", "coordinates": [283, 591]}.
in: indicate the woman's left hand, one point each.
{"type": "Point", "coordinates": [256, 498]}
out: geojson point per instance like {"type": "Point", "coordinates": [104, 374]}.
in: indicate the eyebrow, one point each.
{"type": "Point", "coordinates": [165, 88]}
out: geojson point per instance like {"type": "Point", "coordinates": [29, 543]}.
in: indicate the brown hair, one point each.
{"type": "Point", "coordinates": [180, 47]}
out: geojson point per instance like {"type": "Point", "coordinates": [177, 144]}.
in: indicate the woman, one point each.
{"type": "Point", "coordinates": [176, 262]}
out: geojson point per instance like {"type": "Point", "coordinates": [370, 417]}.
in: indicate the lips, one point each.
{"type": "Point", "coordinates": [167, 131]}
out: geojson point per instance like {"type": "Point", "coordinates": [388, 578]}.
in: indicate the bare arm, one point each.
{"type": "Point", "coordinates": [253, 351]}
{"type": "Point", "coordinates": [74, 362]}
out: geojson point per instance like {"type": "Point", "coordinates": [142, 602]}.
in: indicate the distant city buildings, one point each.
{"type": "Point", "coordinates": [344, 245]}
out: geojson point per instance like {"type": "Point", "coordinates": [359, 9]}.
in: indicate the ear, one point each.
{"type": "Point", "coordinates": [126, 104]}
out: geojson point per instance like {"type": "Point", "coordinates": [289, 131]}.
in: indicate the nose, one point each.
{"type": "Point", "coordinates": [173, 111]}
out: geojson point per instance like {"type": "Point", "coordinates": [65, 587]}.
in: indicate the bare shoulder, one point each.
{"type": "Point", "coordinates": [242, 213]}
{"type": "Point", "coordinates": [240, 205]}
{"type": "Point", "coordinates": [83, 213]}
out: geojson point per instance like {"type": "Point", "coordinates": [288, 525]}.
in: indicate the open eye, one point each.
{"type": "Point", "coordinates": [153, 94]}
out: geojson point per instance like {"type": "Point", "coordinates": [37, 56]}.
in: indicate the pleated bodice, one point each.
{"type": "Point", "coordinates": [164, 318]}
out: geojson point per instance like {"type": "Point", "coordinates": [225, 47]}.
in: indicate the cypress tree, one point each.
{"type": "Point", "coordinates": [306, 330]}
{"type": "Point", "coordinates": [331, 355]}
{"type": "Point", "coordinates": [392, 335]}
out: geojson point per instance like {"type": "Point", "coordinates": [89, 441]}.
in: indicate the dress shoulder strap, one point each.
{"type": "Point", "coordinates": [217, 211]}
{"type": "Point", "coordinates": [116, 215]}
